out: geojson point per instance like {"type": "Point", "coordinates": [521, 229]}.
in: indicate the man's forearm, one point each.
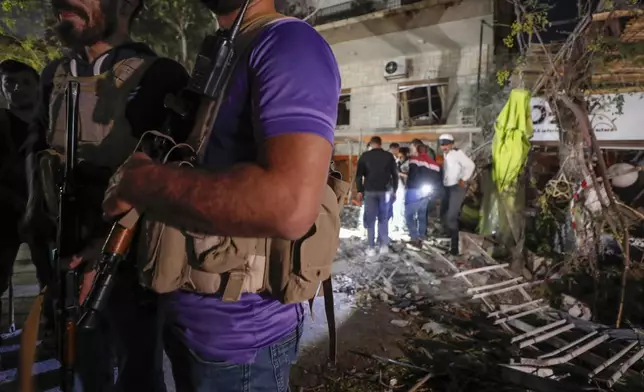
{"type": "Point", "coordinates": [244, 201]}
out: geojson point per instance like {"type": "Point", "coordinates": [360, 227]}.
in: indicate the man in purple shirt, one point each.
{"type": "Point", "coordinates": [292, 79]}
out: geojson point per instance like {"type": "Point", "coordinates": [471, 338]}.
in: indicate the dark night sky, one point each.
{"type": "Point", "coordinates": [561, 10]}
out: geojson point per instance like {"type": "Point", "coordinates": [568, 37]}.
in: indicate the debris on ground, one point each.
{"type": "Point", "coordinates": [434, 322]}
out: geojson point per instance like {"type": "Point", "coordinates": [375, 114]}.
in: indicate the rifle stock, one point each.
{"type": "Point", "coordinates": [197, 102]}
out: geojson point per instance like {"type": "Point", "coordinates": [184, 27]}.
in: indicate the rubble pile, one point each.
{"type": "Point", "coordinates": [350, 217]}
{"type": "Point", "coordinates": [405, 279]}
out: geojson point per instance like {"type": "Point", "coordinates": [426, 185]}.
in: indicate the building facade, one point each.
{"type": "Point", "coordinates": [409, 68]}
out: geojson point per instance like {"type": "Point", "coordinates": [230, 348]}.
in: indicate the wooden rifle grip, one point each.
{"type": "Point", "coordinates": [119, 240]}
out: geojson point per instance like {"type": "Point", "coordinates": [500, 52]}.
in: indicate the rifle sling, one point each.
{"type": "Point", "coordinates": [329, 311]}
{"type": "Point", "coordinates": [209, 109]}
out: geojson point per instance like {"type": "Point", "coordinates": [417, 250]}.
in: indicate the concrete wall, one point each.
{"type": "Point", "coordinates": [374, 100]}
{"type": "Point", "coordinates": [422, 14]}
{"type": "Point", "coordinates": [439, 39]}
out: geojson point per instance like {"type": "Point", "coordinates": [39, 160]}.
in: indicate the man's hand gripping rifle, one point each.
{"type": "Point", "coordinates": [197, 103]}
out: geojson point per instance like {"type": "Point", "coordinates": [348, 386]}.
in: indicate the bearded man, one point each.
{"type": "Point", "coordinates": [123, 85]}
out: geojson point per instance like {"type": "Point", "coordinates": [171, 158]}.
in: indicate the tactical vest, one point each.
{"type": "Point", "coordinates": [172, 258]}
{"type": "Point", "coordinates": [105, 137]}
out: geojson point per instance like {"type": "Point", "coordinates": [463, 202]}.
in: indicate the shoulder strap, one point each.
{"type": "Point", "coordinates": [124, 69]}
{"type": "Point", "coordinates": [250, 30]}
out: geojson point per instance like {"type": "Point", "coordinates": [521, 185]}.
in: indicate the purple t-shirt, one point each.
{"type": "Point", "coordinates": [292, 82]}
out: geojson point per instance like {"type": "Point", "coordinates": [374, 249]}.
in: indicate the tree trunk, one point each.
{"type": "Point", "coordinates": [572, 154]}
{"type": "Point", "coordinates": [184, 47]}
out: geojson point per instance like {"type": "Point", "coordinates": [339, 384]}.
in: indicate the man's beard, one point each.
{"type": "Point", "coordinates": [104, 26]}
{"type": "Point", "coordinates": [223, 7]}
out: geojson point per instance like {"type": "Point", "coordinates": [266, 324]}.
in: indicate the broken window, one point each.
{"type": "Point", "coordinates": [422, 104]}
{"type": "Point", "coordinates": [344, 110]}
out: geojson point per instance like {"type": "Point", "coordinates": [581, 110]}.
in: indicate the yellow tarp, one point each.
{"type": "Point", "coordinates": [510, 147]}
{"type": "Point", "coordinates": [511, 144]}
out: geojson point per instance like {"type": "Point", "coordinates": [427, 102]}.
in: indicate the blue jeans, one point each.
{"type": "Point", "coordinates": [269, 373]}
{"type": "Point", "coordinates": [416, 216]}
{"type": "Point", "coordinates": [377, 208]}
{"type": "Point", "coordinates": [398, 208]}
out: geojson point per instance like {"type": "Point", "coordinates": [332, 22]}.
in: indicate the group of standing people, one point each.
{"type": "Point", "coordinates": [403, 184]}
{"type": "Point", "coordinates": [265, 168]}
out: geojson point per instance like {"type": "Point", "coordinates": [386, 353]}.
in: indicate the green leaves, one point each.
{"type": "Point", "coordinates": [174, 28]}
{"type": "Point", "coordinates": [24, 33]}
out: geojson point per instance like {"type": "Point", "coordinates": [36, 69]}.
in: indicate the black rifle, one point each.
{"type": "Point", "coordinates": [209, 76]}
{"type": "Point", "coordinates": [68, 243]}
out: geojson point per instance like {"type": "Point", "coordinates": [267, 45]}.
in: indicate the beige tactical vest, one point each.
{"type": "Point", "coordinates": [105, 138]}
{"type": "Point", "coordinates": [173, 258]}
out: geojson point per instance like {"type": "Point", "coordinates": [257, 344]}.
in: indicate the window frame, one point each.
{"type": "Point", "coordinates": [403, 107]}
{"type": "Point", "coordinates": [344, 93]}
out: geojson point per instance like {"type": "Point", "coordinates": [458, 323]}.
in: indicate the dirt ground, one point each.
{"type": "Point", "coordinates": [460, 354]}
{"type": "Point", "coordinates": [366, 331]}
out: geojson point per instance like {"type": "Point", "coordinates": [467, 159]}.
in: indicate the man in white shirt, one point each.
{"type": "Point", "coordinates": [458, 168]}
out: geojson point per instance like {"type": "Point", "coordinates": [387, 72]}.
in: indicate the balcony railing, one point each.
{"type": "Point", "coordinates": [352, 9]}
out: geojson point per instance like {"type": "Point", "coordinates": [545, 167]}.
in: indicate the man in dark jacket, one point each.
{"type": "Point", "coordinates": [377, 182]}
{"type": "Point", "coordinates": [424, 186]}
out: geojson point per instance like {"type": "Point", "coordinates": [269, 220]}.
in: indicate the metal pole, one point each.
{"type": "Point", "coordinates": [478, 77]}
{"type": "Point", "coordinates": [351, 175]}
{"type": "Point", "coordinates": [350, 159]}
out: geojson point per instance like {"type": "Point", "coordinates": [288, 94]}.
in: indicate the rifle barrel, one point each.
{"type": "Point", "coordinates": [72, 124]}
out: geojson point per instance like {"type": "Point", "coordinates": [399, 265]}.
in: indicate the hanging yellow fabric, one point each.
{"type": "Point", "coordinates": [511, 144]}
{"type": "Point", "coordinates": [510, 147]}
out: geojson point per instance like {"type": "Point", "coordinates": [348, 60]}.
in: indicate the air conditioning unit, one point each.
{"type": "Point", "coordinates": [396, 68]}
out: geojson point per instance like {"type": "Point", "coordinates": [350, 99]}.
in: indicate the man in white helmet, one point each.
{"type": "Point", "coordinates": [458, 168]}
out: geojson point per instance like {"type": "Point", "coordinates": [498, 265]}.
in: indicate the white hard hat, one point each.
{"type": "Point", "coordinates": [446, 137]}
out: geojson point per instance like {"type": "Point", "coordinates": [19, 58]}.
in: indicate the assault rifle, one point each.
{"type": "Point", "coordinates": [196, 103]}
{"type": "Point", "coordinates": [68, 243]}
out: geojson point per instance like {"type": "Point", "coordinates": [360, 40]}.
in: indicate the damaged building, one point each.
{"type": "Point", "coordinates": [409, 69]}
